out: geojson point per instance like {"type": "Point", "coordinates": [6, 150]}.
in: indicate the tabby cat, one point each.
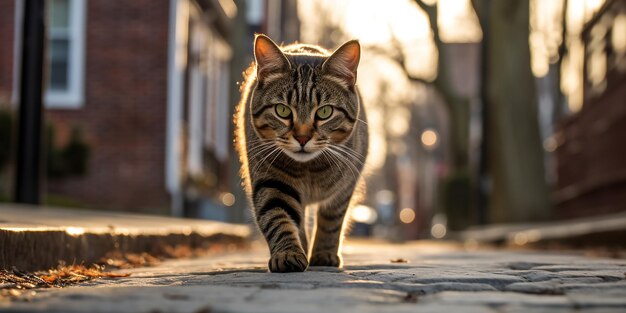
{"type": "Point", "coordinates": [302, 139]}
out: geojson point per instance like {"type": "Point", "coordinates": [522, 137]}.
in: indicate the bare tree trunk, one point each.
{"type": "Point", "coordinates": [519, 192]}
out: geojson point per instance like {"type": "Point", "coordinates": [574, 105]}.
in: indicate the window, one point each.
{"type": "Point", "coordinates": [66, 20]}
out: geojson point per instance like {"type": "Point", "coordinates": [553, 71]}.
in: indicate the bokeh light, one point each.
{"type": "Point", "coordinates": [438, 231]}
{"type": "Point", "coordinates": [364, 214]}
{"type": "Point", "coordinates": [407, 215]}
{"type": "Point", "coordinates": [430, 139]}
{"type": "Point", "coordinates": [228, 199]}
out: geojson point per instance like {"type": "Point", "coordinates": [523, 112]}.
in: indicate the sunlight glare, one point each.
{"type": "Point", "coordinates": [591, 7]}
{"type": "Point", "coordinates": [371, 21]}
{"type": "Point", "coordinates": [579, 12]}
{"type": "Point", "coordinates": [378, 143]}
{"type": "Point", "coordinates": [618, 36]}
{"type": "Point", "coordinates": [400, 117]}
{"type": "Point", "coordinates": [572, 79]}
{"type": "Point", "coordinates": [545, 34]}
{"type": "Point", "coordinates": [74, 231]}
{"type": "Point", "coordinates": [458, 21]}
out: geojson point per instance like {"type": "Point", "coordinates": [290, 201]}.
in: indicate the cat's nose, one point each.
{"type": "Point", "coordinates": [302, 139]}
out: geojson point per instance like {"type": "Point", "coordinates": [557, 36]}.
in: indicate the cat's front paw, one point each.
{"type": "Point", "coordinates": [288, 261]}
{"type": "Point", "coordinates": [325, 259]}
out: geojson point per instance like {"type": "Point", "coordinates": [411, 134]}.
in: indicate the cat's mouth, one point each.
{"type": "Point", "coordinates": [302, 150]}
{"type": "Point", "coordinates": [301, 155]}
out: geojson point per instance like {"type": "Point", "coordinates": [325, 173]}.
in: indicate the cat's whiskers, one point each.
{"type": "Point", "coordinates": [272, 162]}
{"type": "Point", "coordinates": [344, 155]}
{"type": "Point", "coordinates": [332, 161]}
{"type": "Point", "coordinates": [262, 144]}
{"type": "Point", "coordinates": [259, 140]}
{"type": "Point", "coordinates": [261, 163]}
{"type": "Point", "coordinates": [347, 153]}
{"type": "Point", "coordinates": [328, 150]}
{"type": "Point", "coordinates": [350, 150]}
{"type": "Point", "coordinates": [343, 160]}
{"type": "Point", "coordinates": [259, 149]}
{"type": "Point", "coordinates": [265, 151]}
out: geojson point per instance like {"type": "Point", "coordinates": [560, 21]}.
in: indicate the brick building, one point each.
{"type": "Point", "coordinates": [591, 153]}
{"type": "Point", "coordinates": [150, 88]}
{"type": "Point", "coordinates": [146, 85]}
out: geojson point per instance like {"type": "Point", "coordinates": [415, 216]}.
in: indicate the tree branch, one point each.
{"type": "Point", "coordinates": [563, 45]}
{"type": "Point", "coordinates": [394, 51]}
{"type": "Point", "coordinates": [431, 12]}
{"type": "Point", "coordinates": [427, 8]}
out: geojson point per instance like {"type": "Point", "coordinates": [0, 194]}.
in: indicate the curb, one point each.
{"type": "Point", "coordinates": [607, 230]}
{"type": "Point", "coordinates": [37, 238]}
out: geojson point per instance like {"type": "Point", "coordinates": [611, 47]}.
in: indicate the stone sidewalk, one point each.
{"type": "Point", "coordinates": [416, 277]}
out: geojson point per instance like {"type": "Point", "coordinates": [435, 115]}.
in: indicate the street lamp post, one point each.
{"type": "Point", "coordinates": [28, 162]}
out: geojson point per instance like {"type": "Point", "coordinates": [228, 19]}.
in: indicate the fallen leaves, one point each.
{"type": "Point", "coordinates": [130, 260]}
{"type": "Point", "coordinates": [68, 275]}
{"type": "Point", "coordinates": [117, 259]}
{"type": "Point", "coordinates": [14, 283]}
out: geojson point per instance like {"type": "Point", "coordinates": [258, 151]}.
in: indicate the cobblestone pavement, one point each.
{"type": "Point", "coordinates": [418, 277]}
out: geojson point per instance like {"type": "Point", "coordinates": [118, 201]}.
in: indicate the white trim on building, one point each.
{"type": "Point", "coordinates": [17, 50]}
{"type": "Point", "coordinates": [197, 105]}
{"type": "Point", "coordinates": [197, 94]}
{"type": "Point", "coordinates": [74, 95]}
{"type": "Point", "coordinates": [176, 63]}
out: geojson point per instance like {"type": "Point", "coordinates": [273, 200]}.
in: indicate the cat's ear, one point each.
{"type": "Point", "coordinates": [343, 63]}
{"type": "Point", "coordinates": [268, 57]}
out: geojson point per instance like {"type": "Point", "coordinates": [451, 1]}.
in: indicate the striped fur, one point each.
{"type": "Point", "coordinates": [280, 174]}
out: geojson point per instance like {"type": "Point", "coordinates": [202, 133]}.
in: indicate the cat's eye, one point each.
{"type": "Point", "coordinates": [324, 112]}
{"type": "Point", "coordinates": [282, 110]}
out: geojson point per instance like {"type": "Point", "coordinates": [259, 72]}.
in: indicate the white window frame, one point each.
{"type": "Point", "coordinates": [74, 96]}
{"type": "Point", "coordinates": [17, 50]}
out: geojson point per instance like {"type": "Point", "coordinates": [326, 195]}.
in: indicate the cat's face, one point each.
{"type": "Point", "coordinates": [304, 104]}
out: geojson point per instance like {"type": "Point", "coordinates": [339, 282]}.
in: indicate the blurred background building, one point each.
{"type": "Point", "coordinates": [591, 152]}
{"type": "Point", "coordinates": [140, 97]}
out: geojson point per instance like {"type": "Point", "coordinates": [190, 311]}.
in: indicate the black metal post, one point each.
{"type": "Point", "coordinates": [483, 165]}
{"type": "Point", "coordinates": [28, 163]}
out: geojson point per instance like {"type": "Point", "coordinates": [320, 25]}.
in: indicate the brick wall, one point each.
{"type": "Point", "coordinates": [7, 32]}
{"type": "Point", "coordinates": [124, 114]}
{"type": "Point", "coordinates": [591, 168]}
{"type": "Point", "coordinates": [592, 152]}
